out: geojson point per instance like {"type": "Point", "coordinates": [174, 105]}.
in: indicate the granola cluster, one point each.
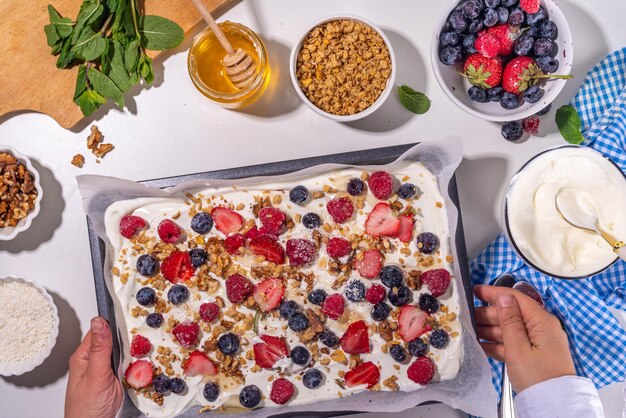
{"type": "Point", "coordinates": [17, 191]}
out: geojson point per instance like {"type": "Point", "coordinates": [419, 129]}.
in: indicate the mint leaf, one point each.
{"type": "Point", "coordinates": [89, 12]}
{"type": "Point", "coordinates": [131, 55]}
{"type": "Point", "coordinates": [569, 124]}
{"type": "Point", "coordinates": [144, 68]}
{"type": "Point", "coordinates": [81, 81]}
{"type": "Point", "coordinates": [52, 37]}
{"type": "Point", "coordinates": [117, 71]}
{"type": "Point", "coordinates": [105, 86]}
{"type": "Point", "coordinates": [159, 33]}
{"type": "Point", "coordinates": [89, 101]}
{"type": "Point", "coordinates": [90, 45]}
{"type": "Point", "coordinates": [66, 56]}
{"type": "Point", "coordinates": [62, 25]}
{"type": "Point", "coordinates": [414, 101]}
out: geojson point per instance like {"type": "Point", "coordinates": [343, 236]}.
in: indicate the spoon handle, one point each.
{"type": "Point", "coordinates": [621, 253]}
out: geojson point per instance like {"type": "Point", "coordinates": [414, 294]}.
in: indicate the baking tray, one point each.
{"type": "Point", "coordinates": [375, 156]}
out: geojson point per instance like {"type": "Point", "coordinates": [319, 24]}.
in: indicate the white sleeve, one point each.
{"type": "Point", "coordinates": [563, 397]}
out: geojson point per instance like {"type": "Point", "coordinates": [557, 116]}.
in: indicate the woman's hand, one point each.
{"type": "Point", "coordinates": [93, 391]}
{"type": "Point", "coordinates": [521, 333]}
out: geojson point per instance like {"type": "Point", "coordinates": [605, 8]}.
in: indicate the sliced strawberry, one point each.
{"type": "Point", "coordinates": [422, 370]}
{"type": "Point", "coordinates": [140, 346]}
{"type": "Point", "coordinates": [301, 251]}
{"type": "Point", "coordinates": [129, 225]}
{"type": "Point", "coordinates": [209, 311]}
{"type": "Point", "coordinates": [198, 364]}
{"type": "Point", "coordinates": [382, 222]}
{"type": "Point", "coordinates": [406, 228]}
{"type": "Point", "coordinates": [437, 281]}
{"type": "Point", "coordinates": [267, 353]}
{"type": "Point", "coordinates": [268, 293]}
{"type": "Point", "coordinates": [340, 209]}
{"type": "Point", "coordinates": [370, 265]}
{"type": "Point", "coordinates": [139, 374]}
{"type": "Point", "coordinates": [177, 267]}
{"type": "Point", "coordinates": [381, 184]}
{"type": "Point", "coordinates": [238, 288]}
{"type": "Point", "coordinates": [169, 232]}
{"type": "Point", "coordinates": [376, 293]}
{"type": "Point", "coordinates": [187, 334]}
{"type": "Point", "coordinates": [233, 243]}
{"type": "Point", "coordinates": [282, 391]}
{"type": "Point", "coordinates": [364, 374]}
{"type": "Point", "coordinates": [412, 322]}
{"type": "Point", "coordinates": [269, 248]}
{"type": "Point", "coordinates": [356, 338]}
{"type": "Point", "coordinates": [272, 220]}
{"type": "Point", "coordinates": [226, 220]}
{"type": "Point", "coordinates": [333, 306]}
{"type": "Point", "coordinates": [253, 233]}
{"type": "Point", "coordinates": [338, 247]}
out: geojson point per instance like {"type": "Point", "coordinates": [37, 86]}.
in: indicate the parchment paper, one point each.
{"type": "Point", "coordinates": [471, 391]}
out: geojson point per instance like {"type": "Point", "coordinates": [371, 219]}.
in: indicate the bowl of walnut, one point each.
{"type": "Point", "coordinates": [20, 193]}
{"type": "Point", "coordinates": [343, 68]}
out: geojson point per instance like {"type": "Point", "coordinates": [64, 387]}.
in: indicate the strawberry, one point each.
{"type": "Point", "coordinates": [333, 306]}
{"type": "Point", "coordinates": [482, 71]}
{"type": "Point", "coordinates": [382, 222]}
{"type": "Point", "coordinates": [271, 221]}
{"type": "Point", "coordinates": [253, 233]}
{"type": "Point", "coordinates": [129, 225]}
{"type": "Point", "coordinates": [507, 36]}
{"type": "Point", "coordinates": [422, 370]}
{"type": "Point", "coordinates": [411, 322]}
{"type": "Point", "coordinates": [406, 228]}
{"type": "Point", "coordinates": [238, 288]}
{"type": "Point", "coordinates": [381, 184]}
{"type": "Point", "coordinates": [338, 247]}
{"type": "Point", "coordinates": [364, 374]}
{"type": "Point", "coordinates": [300, 251]}
{"type": "Point", "coordinates": [209, 311]}
{"type": "Point", "coordinates": [269, 248]}
{"type": "Point", "coordinates": [267, 353]}
{"type": "Point", "coordinates": [370, 265]}
{"type": "Point", "coordinates": [177, 267]}
{"type": "Point", "coordinates": [140, 346]}
{"type": "Point", "coordinates": [233, 243]}
{"type": "Point", "coordinates": [523, 72]}
{"type": "Point", "coordinates": [437, 281]}
{"type": "Point", "coordinates": [376, 293]}
{"type": "Point", "coordinates": [226, 220]}
{"type": "Point", "coordinates": [198, 364]}
{"type": "Point", "coordinates": [487, 44]}
{"type": "Point", "coordinates": [139, 374]}
{"type": "Point", "coordinates": [531, 125]}
{"type": "Point", "coordinates": [169, 232]}
{"type": "Point", "coordinates": [356, 338]}
{"type": "Point", "coordinates": [282, 391]}
{"type": "Point", "coordinates": [340, 209]}
{"type": "Point", "coordinates": [187, 334]}
{"type": "Point", "coordinates": [530, 6]}
{"type": "Point", "coordinates": [268, 293]}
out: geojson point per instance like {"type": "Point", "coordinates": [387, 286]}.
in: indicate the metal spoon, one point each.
{"type": "Point", "coordinates": [506, 409]}
{"type": "Point", "coordinates": [576, 209]}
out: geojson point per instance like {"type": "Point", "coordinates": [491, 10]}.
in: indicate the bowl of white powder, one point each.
{"type": "Point", "coordinates": [29, 325]}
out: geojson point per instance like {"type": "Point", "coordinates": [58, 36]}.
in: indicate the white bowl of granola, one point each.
{"type": "Point", "coordinates": [20, 193]}
{"type": "Point", "coordinates": [352, 76]}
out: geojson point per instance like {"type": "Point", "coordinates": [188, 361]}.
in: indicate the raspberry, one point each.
{"type": "Point", "coordinates": [209, 311]}
{"type": "Point", "coordinates": [333, 306]}
{"type": "Point", "coordinates": [169, 232]}
{"type": "Point", "coordinates": [187, 334]}
{"type": "Point", "coordinates": [376, 293]}
{"type": "Point", "coordinates": [531, 125]}
{"type": "Point", "coordinates": [140, 346]}
{"type": "Point", "coordinates": [340, 209]}
{"type": "Point", "coordinates": [282, 391]}
{"type": "Point", "coordinates": [338, 247]}
{"type": "Point", "coordinates": [381, 185]}
{"type": "Point", "coordinates": [422, 370]}
{"type": "Point", "coordinates": [300, 251]}
{"type": "Point", "coordinates": [233, 243]}
{"type": "Point", "coordinates": [487, 45]}
{"type": "Point", "coordinates": [129, 225]}
{"type": "Point", "coordinates": [238, 288]}
{"type": "Point", "coordinates": [271, 221]}
{"type": "Point", "coordinates": [437, 281]}
{"type": "Point", "coordinates": [530, 6]}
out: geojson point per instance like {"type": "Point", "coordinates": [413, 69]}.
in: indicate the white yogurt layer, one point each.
{"type": "Point", "coordinates": [538, 229]}
{"type": "Point", "coordinates": [431, 217]}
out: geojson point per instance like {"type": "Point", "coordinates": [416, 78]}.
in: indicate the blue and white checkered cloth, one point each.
{"type": "Point", "coordinates": [597, 340]}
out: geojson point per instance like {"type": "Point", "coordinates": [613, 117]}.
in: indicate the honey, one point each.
{"type": "Point", "coordinates": [207, 71]}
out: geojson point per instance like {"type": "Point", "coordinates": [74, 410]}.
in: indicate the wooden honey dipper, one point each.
{"type": "Point", "coordinates": [239, 65]}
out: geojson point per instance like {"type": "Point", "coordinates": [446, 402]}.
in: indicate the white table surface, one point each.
{"type": "Point", "coordinates": [170, 129]}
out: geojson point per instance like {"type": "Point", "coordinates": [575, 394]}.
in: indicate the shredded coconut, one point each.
{"type": "Point", "coordinates": [26, 321]}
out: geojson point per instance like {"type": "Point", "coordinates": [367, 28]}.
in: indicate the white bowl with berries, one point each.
{"type": "Point", "coordinates": [502, 60]}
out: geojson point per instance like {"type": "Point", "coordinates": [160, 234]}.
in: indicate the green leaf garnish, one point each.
{"type": "Point", "coordinates": [569, 124]}
{"type": "Point", "coordinates": [159, 33]}
{"type": "Point", "coordinates": [413, 100]}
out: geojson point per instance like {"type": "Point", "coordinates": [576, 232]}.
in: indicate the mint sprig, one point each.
{"type": "Point", "coordinates": [569, 124]}
{"type": "Point", "coordinates": [413, 101]}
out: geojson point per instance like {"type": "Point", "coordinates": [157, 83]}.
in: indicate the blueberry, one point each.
{"type": "Point", "coordinates": [178, 294]}
{"type": "Point", "coordinates": [177, 385]}
{"type": "Point", "coordinates": [161, 384]}
{"type": "Point", "coordinates": [449, 38]}
{"type": "Point", "coordinates": [428, 303]}
{"type": "Point", "coordinates": [398, 353]}
{"type": "Point", "coordinates": [503, 14]}
{"type": "Point", "coordinates": [490, 17]}
{"type": "Point", "coordinates": [228, 343]}
{"type": "Point", "coordinates": [399, 296]}
{"type": "Point", "coordinates": [154, 320]}
{"type": "Point", "coordinates": [146, 265]}
{"type": "Point", "coordinates": [533, 94]}
{"type": "Point", "coordinates": [492, 3]}
{"type": "Point", "coordinates": [477, 94]}
{"type": "Point", "coordinates": [417, 347]}
{"type": "Point", "coordinates": [548, 64]}
{"type": "Point", "coordinates": [508, 3]}
{"type": "Point", "coordinates": [540, 16]}
{"type": "Point", "coordinates": [146, 296]}
{"type": "Point", "coordinates": [524, 44]}
{"type": "Point", "coordinates": [548, 29]}
{"type": "Point", "coordinates": [545, 110]}
{"type": "Point", "coordinates": [512, 131]}
{"type": "Point", "coordinates": [427, 242]}
{"type": "Point", "coordinates": [543, 47]}
{"type": "Point", "coordinates": [475, 26]}
{"type": "Point", "coordinates": [202, 223]}
{"type": "Point", "coordinates": [355, 186]}
{"type": "Point", "coordinates": [300, 355]}
{"type": "Point", "coordinates": [311, 220]}
{"type": "Point", "coordinates": [211, 391]}
{"type": "Point", "coordinates": [407, 191]}
{"type": "Point", "coordinates": [299, 195]}
{"type": "Point", "coordinates": [317, 296]}
{"type": "Point", "coordinates": [470, 9]}
{"type": "Point", "coordinates": [495, 94]}
{"type": "Point", "coordinates": [380, 311]}
{"type": "Point", "coordinates": [534, 31]}
{"type": "Point", "coordinates": [509, 101]}
{"type": "Point", "coordinates": [312, 379]}
{"type": "Point", "coordinates": [451, 54]}
{"type": "Point", "coordinates": [298, 322]}
{"type": "Point", "coordinates": [457, 21]}
{"type": "Point", "coordinates": [468, 43]}
{"type": "Point", "coordinates": [355, 291]}
{"type": "Point", "coordinates": [391, 276]}
{"type": "Point", "coordinates": [516, 16]}
{"type": "Point", "coordinates": [288, 309]}
{"type": "Point", "coordinates": [439, 338]}
{"type": "Point", "coordinates": [198, 256]}
{"type": "Point", "coordinates": [250, 396]}
{"type": "Point", "coordinates": [328, 338]}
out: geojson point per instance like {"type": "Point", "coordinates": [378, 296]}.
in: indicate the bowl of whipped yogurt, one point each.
{"type": "Point", "coordinates": [537, 231]}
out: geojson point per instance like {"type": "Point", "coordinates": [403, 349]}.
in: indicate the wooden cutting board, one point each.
{"type": "Point", "coordinates": [29, 79]}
